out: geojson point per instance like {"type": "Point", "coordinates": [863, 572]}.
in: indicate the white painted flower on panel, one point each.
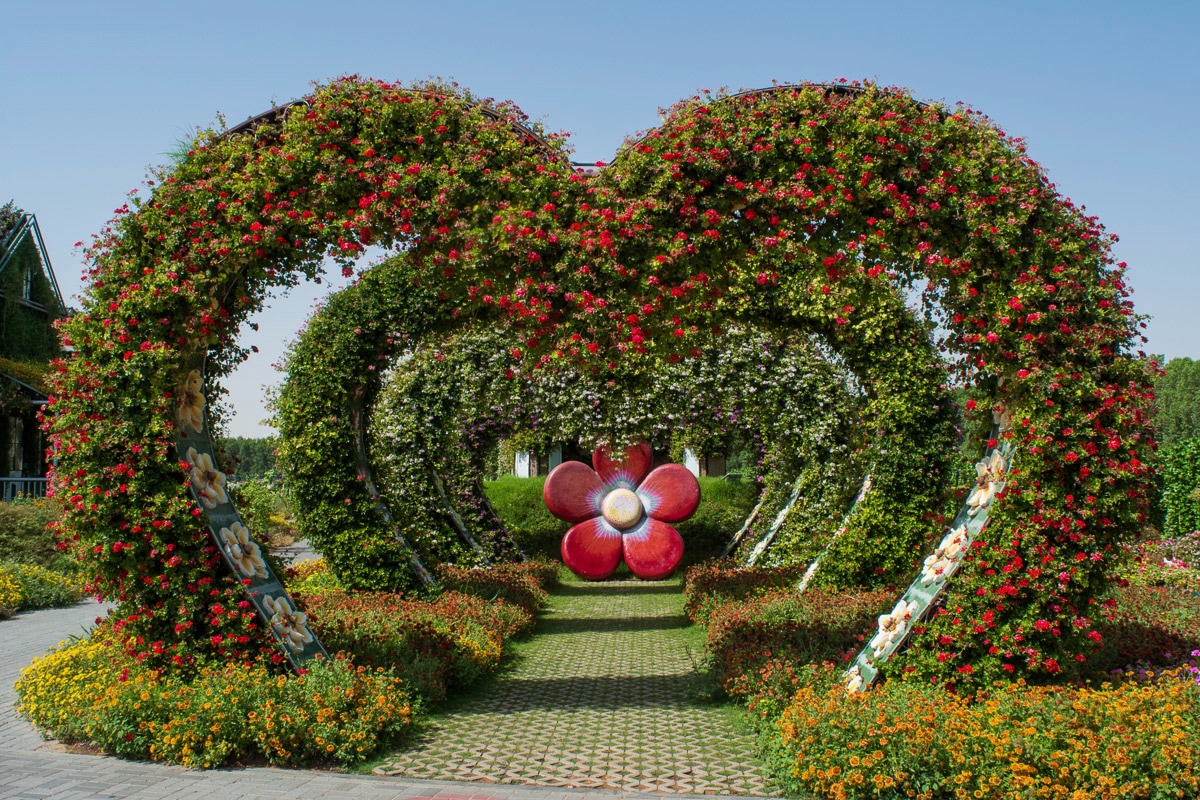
{"type": "Point", "coordinates": [990, 480]}
{"type": "Point", "coordinates": [290, 625]}
{"type": "Point", "coordinates": [947, 555]}
{"type": "Point", "coordinates": [854, 680]}
{"type": "Point", "coordinates": [243, 551]}
{"type": "Point", "coordinates": [207, 480]}
{"type": "Point", "coordinates": [190, 411]}
{"type": "Point", "coordinates": [892, 627]}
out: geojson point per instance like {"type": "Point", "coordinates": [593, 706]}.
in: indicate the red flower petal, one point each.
{"type": "Point", "coordinates": [628, 472]}
{"type": "Point", "coordinates": [652, 550]}
{"type": "Point", "coordinates": [592, 549]}
{"type": "Point", "coordinates": [670, 493]}
{"type": "Point", "coordinates": [573, 492]}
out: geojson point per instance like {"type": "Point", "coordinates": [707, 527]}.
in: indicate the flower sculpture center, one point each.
{"type": "Point", "coordinates": [622, 509]}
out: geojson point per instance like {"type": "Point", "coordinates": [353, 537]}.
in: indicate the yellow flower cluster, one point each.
{"type": "Point", "coordinates": [10, 595]}
{"type": "Point", "coordinates": [303, 570]}
{"type": "Point", "coordinates": [1128, 740]}
{"type": "Point", "coordinates": [39, 587]}
{"type": "Point", "coordinates": [89, 691]}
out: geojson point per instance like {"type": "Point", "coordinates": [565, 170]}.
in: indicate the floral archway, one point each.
{"type": "Point", "coordinates": [804, 207]}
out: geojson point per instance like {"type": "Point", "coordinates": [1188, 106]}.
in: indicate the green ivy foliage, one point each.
{"type": "Point", "coordinates": [1181, 485]}
{"type": "Point", "coordinates": [794, 208]}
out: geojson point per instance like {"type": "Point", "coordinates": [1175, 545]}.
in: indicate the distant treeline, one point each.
{"type": "Point", "coordinates": [253, 458]}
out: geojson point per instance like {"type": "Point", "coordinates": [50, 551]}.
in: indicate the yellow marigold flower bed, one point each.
{"type": "Point", "coordinates": [1124, 740]}
{"type": "Point", "coordinates": [10, 595]}
{"type": "Point", "coordinates": [39, 587]}
{"type": "Point", "coordinates": [89, 691]}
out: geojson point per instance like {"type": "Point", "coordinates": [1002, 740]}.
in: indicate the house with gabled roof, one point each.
{"type": "Point", "coordinates": [30, 302]}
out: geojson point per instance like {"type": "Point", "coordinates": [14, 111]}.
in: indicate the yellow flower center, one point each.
{"type": "Point", "coordinates": [622, 509]}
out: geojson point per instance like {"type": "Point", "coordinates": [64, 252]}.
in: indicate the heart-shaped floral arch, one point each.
{"type": "Point", "coordinates": [800, 207]}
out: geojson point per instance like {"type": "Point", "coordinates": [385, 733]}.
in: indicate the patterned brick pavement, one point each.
{"type": "Point", "coordinates": [699, 755]}
{"type": "Point", "coordinates": [604, 697]}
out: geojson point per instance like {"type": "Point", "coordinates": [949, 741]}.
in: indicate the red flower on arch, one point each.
{"type": "Point", "coordinates": [622, 509]}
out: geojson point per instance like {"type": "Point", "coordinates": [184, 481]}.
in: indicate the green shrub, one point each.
{"type": "Point", "coordinates": [41, 587]}
{"type": "Point", "coordinates": [311, 577]}
{"type": "Point", "coordinates": [264, 507]}
{"type": "Point", "coordinates": [432, 645]}
{"type": "Point", "coordinates": [1181, 479]}
{"type": "Point", "coordinates": [717, 583]}
{"type": "Point", "coordinates": [818, 626]}
{"type": "Point", "coordinates": [25, 537]}
{"type": "Point", "coordinates": [519, 503]}
{"type": "Point", "coordinates": [724, 506]}
{"type": "Point", "coordinates": [90, 691]}
{"type": "Point", "coordinates": [508, 582]}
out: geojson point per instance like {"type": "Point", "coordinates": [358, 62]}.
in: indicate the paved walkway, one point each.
{"type": "Point", "coordinates": [604, 696]}
{"type": "Point", "coordinates": [628, 699]}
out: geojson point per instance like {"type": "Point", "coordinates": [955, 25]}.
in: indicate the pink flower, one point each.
{"type": "Point", "coordinates": [622, 509]}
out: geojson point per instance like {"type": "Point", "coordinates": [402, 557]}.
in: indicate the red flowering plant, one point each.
{"type": "Point", "coordinates": [804, 207]}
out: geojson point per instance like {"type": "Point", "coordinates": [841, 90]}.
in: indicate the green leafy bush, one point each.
{"type": "Point", "coordinates": [432, 646]}
{"type": "Point", "coordinates": [724, 506]}
{"type": "Point", "coordinates": [715, 584]}
{"type": "Point", "coordinates": [505, 582]}
{"type": "Point", "coordinates": [91, 691]}
{"type": "Point", "coordinates": [1177, 401]}
{"type": "Point", "coordinates": [25, 534]}
{"type": "Point", "coordinates": [818, 626]}
{"type": "Point", "coordinates": [1181, 479]}
{"type": "Point", "coordinates": [263, 507]}
{"type": "Point", "coordinates": [519, 502]}
{"type": "Point", "coordinates": [311, 577]}
{"type": "Point", "coordinates": [41, 587]}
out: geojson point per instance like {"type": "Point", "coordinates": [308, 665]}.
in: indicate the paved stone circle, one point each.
{"type": "Point", "coordinates": [604, 697]}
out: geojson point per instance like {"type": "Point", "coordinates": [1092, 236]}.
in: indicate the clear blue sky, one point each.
{"type": "Point", "coordinates": [1106, 94]}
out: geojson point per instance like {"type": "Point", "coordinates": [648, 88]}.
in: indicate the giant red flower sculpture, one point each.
{"type": "Point", "coordinates": [622, 509]}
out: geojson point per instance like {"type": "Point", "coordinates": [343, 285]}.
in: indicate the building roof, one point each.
{"type": "Point", "coordinates": [15, 227]}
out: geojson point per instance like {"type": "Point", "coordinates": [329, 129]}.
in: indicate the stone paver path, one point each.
{"type": "Point", "coordinates": [604, 697]}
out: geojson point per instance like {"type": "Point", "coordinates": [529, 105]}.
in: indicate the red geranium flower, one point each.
{"type": "Point", "coordinates": [620, 510]}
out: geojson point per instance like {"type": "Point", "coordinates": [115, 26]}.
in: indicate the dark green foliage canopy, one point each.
{"type": "Point", "coordinates": [254, 457]}
{"type": "Point", "coordinates": [1177, 397]}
